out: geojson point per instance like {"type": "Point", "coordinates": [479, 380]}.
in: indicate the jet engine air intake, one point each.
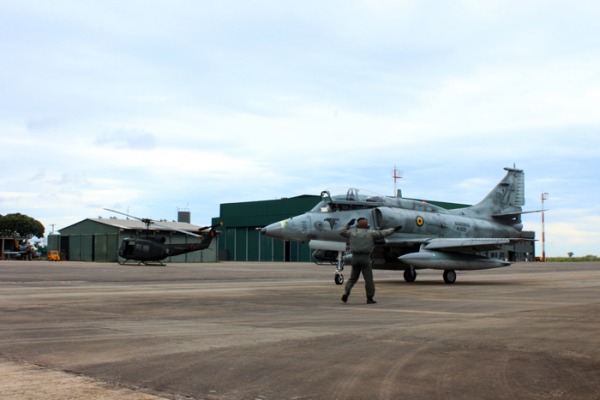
{"type": "Point", "coordinates": [386, 217]}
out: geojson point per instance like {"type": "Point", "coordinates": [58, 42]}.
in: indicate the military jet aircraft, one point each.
{"type": "Point", "coordinates": [430, 236]}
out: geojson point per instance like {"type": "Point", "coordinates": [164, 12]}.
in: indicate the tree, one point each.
{"type": "Point", "coordinates": [20, 225]}
{"type": "Point", "coordinates": [571, 254]}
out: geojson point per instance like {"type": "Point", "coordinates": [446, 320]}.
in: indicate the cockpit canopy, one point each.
{"type": "Point", "coordinates": [359, 199]}
{"type": "Point", "coordinates": [353, 199]}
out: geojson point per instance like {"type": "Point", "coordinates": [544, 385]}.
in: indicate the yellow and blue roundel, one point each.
{"type": "Point", "coordinates": [420, 221]}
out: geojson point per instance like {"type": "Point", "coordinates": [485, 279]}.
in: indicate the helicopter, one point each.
{"type": "Point", "coordinates": [152, 250]}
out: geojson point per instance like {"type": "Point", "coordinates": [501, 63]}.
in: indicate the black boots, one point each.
{"type": "Point", "coordinates": [370, 300]}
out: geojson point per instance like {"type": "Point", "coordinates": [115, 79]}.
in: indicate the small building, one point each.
{"type": "Point", "coordinates": [98, 239]}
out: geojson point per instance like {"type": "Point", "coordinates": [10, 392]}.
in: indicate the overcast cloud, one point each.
{"type": "Point", "coordinates": [151, 106]}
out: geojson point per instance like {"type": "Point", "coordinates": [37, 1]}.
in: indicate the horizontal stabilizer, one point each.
{"type": "Point", "coordinates": [515, 214]}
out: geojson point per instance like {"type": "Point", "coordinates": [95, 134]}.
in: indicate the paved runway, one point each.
{"type": "Point", "coordinates": [279, 331]}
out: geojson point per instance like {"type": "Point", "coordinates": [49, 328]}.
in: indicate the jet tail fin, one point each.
{"type": "Point", "coordinates": [507, 198]}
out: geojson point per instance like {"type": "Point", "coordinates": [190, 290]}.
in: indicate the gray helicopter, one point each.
{"type": "Point", "coordinates": [430, 236]}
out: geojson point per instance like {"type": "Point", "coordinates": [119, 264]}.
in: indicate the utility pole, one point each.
{"type": "Point", "coordinates": [396, 174]}
{"type": "Point", "coordinates": [544, 197]}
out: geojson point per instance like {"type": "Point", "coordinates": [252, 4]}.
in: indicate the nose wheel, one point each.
{"type": "Point", "coordinates": [338, 278]}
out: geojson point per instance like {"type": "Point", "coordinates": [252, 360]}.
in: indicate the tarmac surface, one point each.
{"type": "Point", "coordinates": [279, 331]}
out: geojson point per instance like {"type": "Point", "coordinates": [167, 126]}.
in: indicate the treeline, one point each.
{"type": "Point", "coordinates": [587, 258]}
{"type": "Point", "coordinates": [19, 225]}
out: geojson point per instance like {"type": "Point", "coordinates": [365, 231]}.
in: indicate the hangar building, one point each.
{"type": "Point", "coordinates": [241, 240]}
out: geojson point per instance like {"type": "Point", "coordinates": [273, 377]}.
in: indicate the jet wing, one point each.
{"type": "Point", "coordinates": [450, 244]}
{"type": "Point", "coordinates": [462, 244]}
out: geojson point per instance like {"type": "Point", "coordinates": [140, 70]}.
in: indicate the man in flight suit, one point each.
{"type": "Point", "coordinates": [362, 243]}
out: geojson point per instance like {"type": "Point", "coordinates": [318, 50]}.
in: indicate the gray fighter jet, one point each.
{"type": "Point", "coordinates": [430, 236]}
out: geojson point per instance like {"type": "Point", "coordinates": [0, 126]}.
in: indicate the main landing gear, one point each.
{"type": "Point", "coordinates": [449, 276]}
{"type": "Point", "coordinates": [410, 275]}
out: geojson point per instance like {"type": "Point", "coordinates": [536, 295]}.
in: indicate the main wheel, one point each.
{"type": "Point", "coordinates": [449, 276]}
{"type": "Point", "coordinates": [410, 275]}
{"type": "Point", "coordinates": [338, 278]}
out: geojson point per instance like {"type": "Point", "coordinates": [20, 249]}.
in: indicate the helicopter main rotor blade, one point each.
{"type": "Point", "coordinates": [210, 227]}
{"type": "Point", "coordinates": [122, 213]}
{"type": "Point", "coordinates": [147, 221]}
{"type": "Point", "coordinates": [170, 228]}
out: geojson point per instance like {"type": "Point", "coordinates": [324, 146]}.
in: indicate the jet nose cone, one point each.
{"type": "Point", "coordinates": [274, 230]}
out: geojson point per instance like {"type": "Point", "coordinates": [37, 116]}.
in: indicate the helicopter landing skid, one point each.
{"type": "Point", "coordinates": [146, 263]}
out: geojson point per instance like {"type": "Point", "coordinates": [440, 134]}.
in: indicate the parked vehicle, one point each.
{"type": "Point", "coordinates": [53, 255]}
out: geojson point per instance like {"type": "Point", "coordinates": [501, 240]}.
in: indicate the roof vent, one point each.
{"type": "Point", "coordinates": [184, 215]}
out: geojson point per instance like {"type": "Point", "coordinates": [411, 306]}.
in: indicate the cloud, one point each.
{"type": "Point", "coordinates": [127, 139]}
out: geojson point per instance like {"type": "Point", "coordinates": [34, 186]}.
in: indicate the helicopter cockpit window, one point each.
{"type": "Point", "coordinates": [142, 247]}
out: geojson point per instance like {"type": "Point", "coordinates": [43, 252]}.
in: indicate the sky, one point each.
{"type": "Point", "coordinates": [152, 106]}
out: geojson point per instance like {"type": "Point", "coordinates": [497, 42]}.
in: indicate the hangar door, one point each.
{"type": "Point", "coordinates": [247, 244]}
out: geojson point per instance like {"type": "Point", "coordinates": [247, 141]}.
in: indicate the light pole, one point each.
{"type": "Point", "coordinates": [544, 197]}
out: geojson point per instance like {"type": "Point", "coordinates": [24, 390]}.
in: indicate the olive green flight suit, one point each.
{"type": "Point", "coordinates": [362, 243]}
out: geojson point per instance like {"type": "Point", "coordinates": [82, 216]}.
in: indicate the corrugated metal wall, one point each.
{"type": "Point", "coordinates": [241, 239]}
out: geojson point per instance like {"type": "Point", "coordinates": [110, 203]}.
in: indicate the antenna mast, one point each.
{"type": "Point", "coordinates": [544, 197]}
{"type": "Point", "coordinates": [396, 174]}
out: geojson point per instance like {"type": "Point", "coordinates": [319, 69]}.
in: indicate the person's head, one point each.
{"type": "Point", "coordinates": [362, 223]}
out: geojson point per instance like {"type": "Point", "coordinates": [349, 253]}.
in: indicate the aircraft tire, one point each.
{"type": "Point", "coordinates": [338, 278]}
{"type": "Point", "coordinates": [449, 276]}
{"type": "Point", "coordinates": [410, 275]}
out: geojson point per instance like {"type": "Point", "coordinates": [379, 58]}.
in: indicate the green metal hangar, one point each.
{"type": "Point", "coordinates": [98, 239]}
{"type": "Point", "coordinates": [240, 239]}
